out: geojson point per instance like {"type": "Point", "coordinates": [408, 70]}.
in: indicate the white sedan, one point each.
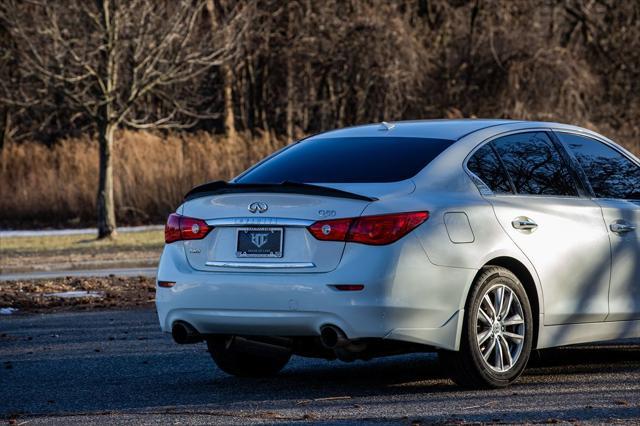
{"type": "Point", "coordinates": [481, 239]}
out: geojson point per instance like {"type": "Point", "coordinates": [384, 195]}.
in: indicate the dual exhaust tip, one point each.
{"type": "Point", "coordinates": [331, 336]}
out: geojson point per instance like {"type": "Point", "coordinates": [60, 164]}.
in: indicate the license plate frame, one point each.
{"type": "Point", "coordinates": [248, 246]}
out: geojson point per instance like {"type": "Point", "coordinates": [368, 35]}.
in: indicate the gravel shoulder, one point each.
{"type": "Point", "coordinates": [112, 367]}
{"type": "Point", "coordinates": [77, 293]}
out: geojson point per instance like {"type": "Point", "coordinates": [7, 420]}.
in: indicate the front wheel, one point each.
{"type": "Point", "coordinates": [245, 358]}
{"type": "Point", "coordinates": [497, 333]}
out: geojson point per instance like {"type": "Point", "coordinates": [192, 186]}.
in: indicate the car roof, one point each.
{"type": "Point", "coordinates": [451, 129]}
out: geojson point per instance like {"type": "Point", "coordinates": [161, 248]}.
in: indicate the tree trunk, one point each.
{"type": "Point", "coordinates": [289, 81]}
{"type": "Point", "coordinates": [229, 118]}
{"type": "Point", "coordinates": [216, 17]}
{"type": "Point", "coordinates": [289, 110]}
{"type": "Point", "coordinates": [105, 203]}
{"type": "Point", "coordinates": [105, 121]}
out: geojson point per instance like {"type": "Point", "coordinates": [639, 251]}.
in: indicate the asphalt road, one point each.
{"type": "Point", "coordinates": [116, 367]}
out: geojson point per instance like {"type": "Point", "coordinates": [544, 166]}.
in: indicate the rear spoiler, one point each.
{"type": "Point", "coordinates": [221, 187]}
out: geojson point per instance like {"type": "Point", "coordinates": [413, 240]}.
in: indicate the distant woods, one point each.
{"type": "Point", "coordinates": [302, 66]}
{"type": "Point", "coordinates": [289, 68]}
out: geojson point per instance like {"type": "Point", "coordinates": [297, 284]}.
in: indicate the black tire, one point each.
{"type": "Point", "coordinates": [242, 358]}
{"type": "Point", "coordinates": [468, 367]}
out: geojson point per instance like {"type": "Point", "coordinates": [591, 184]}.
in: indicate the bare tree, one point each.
{"type": "Point", "coordinates": [217, 15]}
{"type": "Point", "coordinates": [106, 58]}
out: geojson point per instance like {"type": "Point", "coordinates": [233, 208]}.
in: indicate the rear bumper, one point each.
{"type": "Point", "coordinates": [405, 297]}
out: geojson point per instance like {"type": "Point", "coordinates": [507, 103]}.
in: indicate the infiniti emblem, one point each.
{"type": "Point", "coordinates": [258, 207]}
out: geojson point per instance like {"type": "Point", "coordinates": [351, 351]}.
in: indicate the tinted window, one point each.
{"type": "Point", "coordinates": [378, 159]}
{"type": "Point", "coordinates": [534, 164]}
{"type": "Point", "coordinates": [485, 164]}
{"type": "Point", "coordinates": [610, 173]}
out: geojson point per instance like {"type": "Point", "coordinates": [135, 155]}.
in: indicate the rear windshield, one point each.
{"type": "Point", "coordinates": [348, 160]}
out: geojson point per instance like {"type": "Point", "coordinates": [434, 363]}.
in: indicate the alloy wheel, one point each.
{"type": "Point", "coordinates": [500, 328]}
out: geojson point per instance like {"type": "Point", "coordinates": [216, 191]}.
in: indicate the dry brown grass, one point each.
{"type": "Point", "coordinates": [56, 186]}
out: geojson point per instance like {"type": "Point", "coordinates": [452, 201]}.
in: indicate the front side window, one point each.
{"type": "Point", "coordinates": [485, 164]}
{"type": "Point", "coordinates": [534, 165]}
{"type": "Point", "coordinates": [611, 174]}
{"type": "Point", "coordinates": [348, 160]}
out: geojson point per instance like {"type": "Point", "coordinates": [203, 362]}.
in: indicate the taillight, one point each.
{"type": "Point", "coordinates": [385, 229]}
{"type": "Point", "coordinates": [372, 230]}
{"type": "Point", "coordinates": [331, 230]}
{"type": "Point", "coordinates": [185, 228]}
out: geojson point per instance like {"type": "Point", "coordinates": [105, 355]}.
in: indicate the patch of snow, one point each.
{"type": "Point", "coordinates": [8, 311]}
{"type": "Point", "coordinates": [75, 294]}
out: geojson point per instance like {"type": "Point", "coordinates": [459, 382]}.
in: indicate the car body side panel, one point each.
{"type": "Point", "coordinates": [490, 241]}
{"type": "Point", "coordinates": [573, 334]}
{"type": "Point", "coordinates": [488, 236]}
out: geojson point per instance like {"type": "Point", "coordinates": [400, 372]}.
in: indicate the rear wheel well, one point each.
{"type": "Point", "coordinates": [525, 277]}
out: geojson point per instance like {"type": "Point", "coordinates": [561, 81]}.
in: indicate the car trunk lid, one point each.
{"type": "Point", "coordinates": [265, 227]}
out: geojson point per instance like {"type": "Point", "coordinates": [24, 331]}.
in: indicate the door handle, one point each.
{"type": "Point", "coordinates": [622, 227]}
{"type": "Point", "coordinates": [524, 224]}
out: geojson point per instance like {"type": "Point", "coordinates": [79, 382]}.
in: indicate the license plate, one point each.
{"type": "Point", "coordinates": [259, 242]}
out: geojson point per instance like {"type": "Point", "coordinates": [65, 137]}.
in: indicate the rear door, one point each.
{"type": "Point", "coordinates": [615, 183]}
{"type": "Point", "coordinates": [539, 206]}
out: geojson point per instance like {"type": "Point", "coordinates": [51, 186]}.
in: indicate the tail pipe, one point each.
{"type": "Point", "coordinates": [184, 333]}
{"type": "Point", "coordinates": [332, 337]}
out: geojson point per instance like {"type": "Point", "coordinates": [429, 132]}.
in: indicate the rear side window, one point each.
{"type": "Point", "coordinates": [485, 164]}
{"type": "Point", "coordinates": [534, 165]}
{"type": "Point", "coordinates": [348, 160]}
{"type": "Point", "coordinates": [611, 174]}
